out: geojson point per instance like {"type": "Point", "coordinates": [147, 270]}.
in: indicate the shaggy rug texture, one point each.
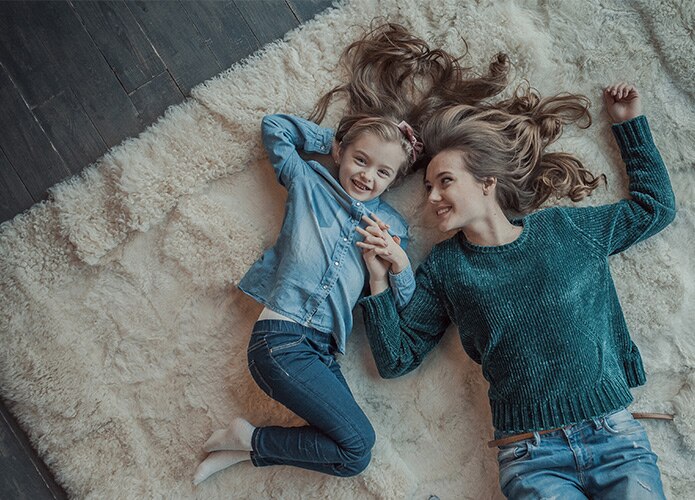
{"type": "Point", "coordinates": [123, 335]}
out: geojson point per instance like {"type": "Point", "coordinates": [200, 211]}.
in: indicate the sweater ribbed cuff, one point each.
{"type": "Point", "coordinates": [634, 371]}
{"type": "Point", "coordinates": [633, 133]}
{"type": "Point", "coordinates": [378, 311]}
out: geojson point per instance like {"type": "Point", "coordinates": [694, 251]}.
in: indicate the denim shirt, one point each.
{"type": "Point", "coordinates": [315, 274]}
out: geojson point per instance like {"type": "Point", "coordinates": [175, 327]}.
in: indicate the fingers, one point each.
{"type": "Point", "coordinates": [375, 222]}
{"type": "Point", "coordinates": [374, 239]}
{"type": "Point", "coordinates": [620, 91]}
{"type": "Point", "coordinates": [378, 250]}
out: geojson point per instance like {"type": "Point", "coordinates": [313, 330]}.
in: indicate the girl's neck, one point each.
{"type": "Point", "coordinates": [491, 231]}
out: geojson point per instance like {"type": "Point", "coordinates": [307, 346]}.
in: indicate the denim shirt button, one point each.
{"type": "Point", "coordinates": [336, 263]}
{"type": "Point", "coordinates": [345, 239]}
{"type": "Point", "coordinates": [358, 203]}
{"type": "Point", "coordinates": [325, 287]}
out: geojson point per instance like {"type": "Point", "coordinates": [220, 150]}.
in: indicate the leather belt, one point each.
{"type": "Point", "coordinates": [529, 435]}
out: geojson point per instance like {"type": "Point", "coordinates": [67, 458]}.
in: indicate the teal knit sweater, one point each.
{"type": "Point", "coordinates": [540, 314]}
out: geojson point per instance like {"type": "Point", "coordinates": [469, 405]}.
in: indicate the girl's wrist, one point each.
{"type": "Point", "coordinates": [378, 285]}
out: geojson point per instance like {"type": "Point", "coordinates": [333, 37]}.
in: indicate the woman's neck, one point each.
{"type": "Point", "coordinates": [493, 230]}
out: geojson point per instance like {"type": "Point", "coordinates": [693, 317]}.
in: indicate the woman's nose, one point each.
{"type": "Point", "coordinates": [433, 196]}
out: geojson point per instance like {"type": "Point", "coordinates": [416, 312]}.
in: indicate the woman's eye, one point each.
{"type": "Point", "coordinates": [446, 181]}
{"type": "Point", "coordinates": [428, 188]}
{"type": "Point", "coordinates": [361, 161]}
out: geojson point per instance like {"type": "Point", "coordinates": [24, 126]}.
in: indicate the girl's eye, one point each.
{"type": "Point", "coordinates": [384, 173]}
{"type": "Point", "coordinates": [361, 161]}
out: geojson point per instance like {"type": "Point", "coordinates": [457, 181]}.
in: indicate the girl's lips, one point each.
{"type": "Point", "coordinates": [360, 186]}
{"type": "Point", "coordinates": [443, 211]}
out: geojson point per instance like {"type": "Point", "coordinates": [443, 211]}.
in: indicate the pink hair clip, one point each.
{"type": "Point", "coordinates": [410, 135]}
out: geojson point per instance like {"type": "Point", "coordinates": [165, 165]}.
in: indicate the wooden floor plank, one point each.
{"type": "Point", "coordinates": [184, 51]}
{"type": "Point", "coordinates": [14, 197]}
{"type": "Point", "coordinates": [25, 57]}
{"type": "Point", "coordinates": [153, 98]}
{"type": "Point", "coordinates": [86, 71]}
{"type": "Point", "coordinates": [127, 49]}
{"type": "Point", "coordinates": [24, 476]}
{"type": "Point", "coordinates": [224, 29]}
{"type": "Point", "coordinates": [307, 9]}
{"type": "Point", "coordinates": [26, 145]}
{"type": "Point", "coordinates": [70, 130]}
{"type": "Point", "coordinates": [268, 19]}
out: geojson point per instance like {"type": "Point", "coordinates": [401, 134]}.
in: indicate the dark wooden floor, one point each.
{"type": "Point", "coordinates": [76, 78]}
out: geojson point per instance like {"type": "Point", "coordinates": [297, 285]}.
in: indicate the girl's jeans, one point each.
{"type": "Point", "coordinates": [602, 458]}
{"type": "Point", "coordinates": [295, 365]}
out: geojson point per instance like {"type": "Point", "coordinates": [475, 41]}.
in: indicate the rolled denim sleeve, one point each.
{"type": "Point", "coordinates": [285, 135]}
{"type": "Point", "coordinates": [403, 286]}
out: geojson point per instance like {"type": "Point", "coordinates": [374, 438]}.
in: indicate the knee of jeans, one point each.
{"type": "Point", "coordinates": [354, 468]}
{"type": "Point", "coordinates": [360, 445]}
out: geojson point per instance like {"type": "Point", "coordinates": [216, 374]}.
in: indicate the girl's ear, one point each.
{"type": "Point", "coordinates": [336, 152]}
{"type": "Point", "coordinates": [489, 184]}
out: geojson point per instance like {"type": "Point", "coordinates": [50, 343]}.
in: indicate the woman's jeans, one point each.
{"type": "Point", "coordinates": [295, 365]}
{"type": "Point", "coordinates": [602, 458]}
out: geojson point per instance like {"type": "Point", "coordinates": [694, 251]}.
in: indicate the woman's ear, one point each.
{"type": "Point", "coordinates": [489, 184]}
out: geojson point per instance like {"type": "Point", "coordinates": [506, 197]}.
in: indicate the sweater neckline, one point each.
{"type": "Point", "coordinates": [524, 222]}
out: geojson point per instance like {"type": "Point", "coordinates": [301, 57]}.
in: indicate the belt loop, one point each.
{"type": "Point", "coordinates": [598, 423]}
{"type": "Point", "coordinates": [536, 439]}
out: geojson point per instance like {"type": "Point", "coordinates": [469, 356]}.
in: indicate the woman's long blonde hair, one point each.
{"type": "Point", "coordinates": [393, 75]}
{"type": "Point", "coordinates": [508, 140]}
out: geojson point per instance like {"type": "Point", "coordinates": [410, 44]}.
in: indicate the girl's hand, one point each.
{"type": "Point", "coordinates": [378, 240]}
{"type": "Point", "coordinates": [622, 102]}
{"type": "Point", "coordinates": [378, 271]}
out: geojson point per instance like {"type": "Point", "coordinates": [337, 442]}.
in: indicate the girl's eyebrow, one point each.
{"type": "Point", "coordinates": [383, 165]}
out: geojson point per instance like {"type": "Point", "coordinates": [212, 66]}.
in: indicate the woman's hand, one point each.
{"type": "Point", "coordinates": [622, 102]}
{"type": "Point", "coordinates": [378, 240]}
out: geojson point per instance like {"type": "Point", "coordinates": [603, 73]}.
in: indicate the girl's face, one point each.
{"type": "Point", "coordinates": [455, 197]}
{"type": "Point", "coordinates": [369, 165]}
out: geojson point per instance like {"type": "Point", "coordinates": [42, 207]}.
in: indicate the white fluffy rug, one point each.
{"type": "Point", "coordinates": [123, 336]}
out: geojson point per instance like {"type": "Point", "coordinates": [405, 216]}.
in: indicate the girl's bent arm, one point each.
{"type": "Point", "coordinates": [651, 206]}
{"type": "Point", "coordinates": [284, 135]}
{"type": "Point", "coordinates": [400, 341]}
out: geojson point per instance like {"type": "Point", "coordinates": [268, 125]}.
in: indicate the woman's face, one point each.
{"type": "Point", "coordinates": [454, 196]}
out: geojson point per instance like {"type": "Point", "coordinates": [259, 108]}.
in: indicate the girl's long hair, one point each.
{"type": "Point", "coordinates": [508, 140]}
{"type": "Point", "coordinates": [394, 75]}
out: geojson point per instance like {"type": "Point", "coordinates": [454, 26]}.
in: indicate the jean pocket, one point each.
{"type": "Point", "coordinates": [260, 381]}
{"type": "Point", "coordinates": [514, 452]}
{"type": "Point", "coordinates": [255, 343]}
{"type": "Point", "coordinates": [281, 342]}
{"type": "Point", "coordinates": [621, 423]}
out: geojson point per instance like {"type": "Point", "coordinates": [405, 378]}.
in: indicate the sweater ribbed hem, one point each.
{"type": "Point", "coordinates": [563, 410]}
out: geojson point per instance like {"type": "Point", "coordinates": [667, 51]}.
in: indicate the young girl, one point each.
{"type": "Point", "coordinates": [533, 298]}
{"type": "Point", "coordinates": [313, 276]}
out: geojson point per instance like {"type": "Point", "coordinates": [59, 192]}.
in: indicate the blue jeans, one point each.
{"type": "Point", "coordinates": [296, 366]}
{"type": "Point", "coordinates": [603, 458]}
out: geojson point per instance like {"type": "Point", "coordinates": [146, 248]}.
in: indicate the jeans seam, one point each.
{"type": "Point", "coordinates": [323, 401]}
